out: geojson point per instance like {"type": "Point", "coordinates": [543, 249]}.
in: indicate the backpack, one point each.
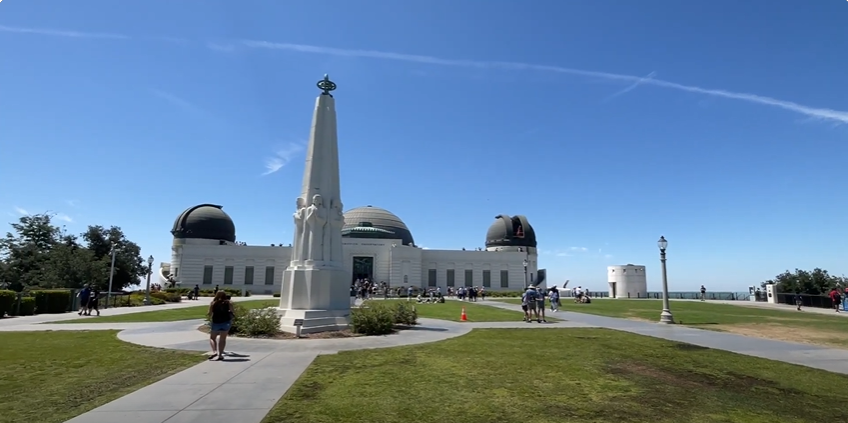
{"type": "Point", "coordinates": [530, 295]}
{"type": "Point", "coordinates": [221, 312]}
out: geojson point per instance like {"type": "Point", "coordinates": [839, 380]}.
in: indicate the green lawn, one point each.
{"type": "Point", "coordinates": [562, 375]}
{"type": "Point", "coordinates": [50, 377]}
{"type": "Point", "coordinates": [452, 310]}
{"type": "Point", "coordinates": [784, 325]}
{"type": "Point", "coordinates": [172, 315]}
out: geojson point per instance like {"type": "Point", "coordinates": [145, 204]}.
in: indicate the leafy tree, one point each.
{"type": "Point", "coordinates": [815, 282]}
{"type": "Point", "coordinates": [26, 251]}
{"type": "Point", "coordinates": [71, 266]}
{"type": "Point", "coordinates": [38, 254]}
{"type": "Point", "coordinates": [129, 265]}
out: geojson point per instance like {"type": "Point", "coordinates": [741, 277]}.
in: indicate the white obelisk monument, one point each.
{"type": "Point", "coordinates": [316, 287]}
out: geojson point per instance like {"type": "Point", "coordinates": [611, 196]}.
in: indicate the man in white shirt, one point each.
{"type": "Point", "coordinates": [578, 294]}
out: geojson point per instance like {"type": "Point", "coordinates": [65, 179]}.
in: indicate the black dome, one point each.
{"type": "Point", "coordinates": [374, 222]}
{"type": "Point", "coordinates": [512, 231]}
{"type": "Point", "coordinates": [206, 221]}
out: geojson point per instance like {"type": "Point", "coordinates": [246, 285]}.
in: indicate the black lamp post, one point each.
{"type": "Point", "coordinates": [526, 282]}
{"type": "Point", "coordinates": [665, 316]}
{"type": "Point", "coordinates": [149, 273]}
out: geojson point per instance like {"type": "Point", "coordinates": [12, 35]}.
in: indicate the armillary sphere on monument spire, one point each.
{"type": "Point", "coordinates": [326, 85]}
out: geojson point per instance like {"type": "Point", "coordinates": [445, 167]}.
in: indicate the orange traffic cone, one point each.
{"type": "Point", "coordinates": [463, 317]}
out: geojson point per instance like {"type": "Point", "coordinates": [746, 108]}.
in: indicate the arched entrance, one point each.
{"type": "Point", "coordinates": [363, 268]}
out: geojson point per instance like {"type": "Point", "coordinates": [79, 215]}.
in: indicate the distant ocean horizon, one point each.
{"type": "Point", "coordinates": [675, 295]}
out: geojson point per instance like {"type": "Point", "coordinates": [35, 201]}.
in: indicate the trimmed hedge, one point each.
{"type": "Point", "coordinates": [27, 307]}
{"type": "Point", "coordinates": [52, 301]}
{"type": "Point", "coordinates": [208, 292]}
{"type": "Point", "coordinates": [7, 302]}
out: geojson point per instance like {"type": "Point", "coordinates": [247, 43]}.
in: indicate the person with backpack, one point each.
{"type": "Point", "coordinates": [221, 319]}
{"type": "Point", "coordinates": [540, 304]}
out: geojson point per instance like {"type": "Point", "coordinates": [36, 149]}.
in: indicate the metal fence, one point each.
{"type": "Point", "coordinates": [807, 300]}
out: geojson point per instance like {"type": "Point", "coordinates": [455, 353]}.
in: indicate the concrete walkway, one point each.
{"type": "Point", "coordinates": [257, 374]}
{"type": "Point", "coordinates": [115, 311]}
{"type": "Point", "coordinates": [830, 359]}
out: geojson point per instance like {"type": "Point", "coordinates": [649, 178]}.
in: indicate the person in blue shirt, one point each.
{"type": "Point", "coordinates": [84, 295]}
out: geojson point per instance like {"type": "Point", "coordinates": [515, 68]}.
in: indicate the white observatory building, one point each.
{"type": "Point", "coordinates": [627, 281]}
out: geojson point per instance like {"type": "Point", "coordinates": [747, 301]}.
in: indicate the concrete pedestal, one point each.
{"type": "Point", "coordinates": [317, 295]}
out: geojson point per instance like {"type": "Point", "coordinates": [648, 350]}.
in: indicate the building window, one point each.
{"type": "Point", "coordinates": [431, 277]}
{"type": "Point", "coordinates": [248, 275]}
{"type": "Point", "coordinates": [504, 278]}
{"type": "Point", "coordinates": [451, 276]}
{"type": "Point", "coordinates": [487, 279]}
{"type": "Point", "coordinates": [207, 274]}
{"type": "Point", "coordinates": [531, 278]}
{"type": "Point", "coordinates": [405, 279]}
{"type": "Point", "coordinates": [269, 275]}
{"type": "Point", "coordinates": [469, 277]}
{"type": "Point", "coordinates": [176, 272]}
{"type": "Point", "coordinates": [228, 275]}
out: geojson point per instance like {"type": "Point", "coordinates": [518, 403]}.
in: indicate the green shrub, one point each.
{"type": "Point", "coordinates": [27, 307]}
{"type": "Point", "coordinates": [52, 301]}
{"type": "Point", "coordinates": [208, 292]}
{"type": "Point", "coordinates": [253, 323]}
{"type": "Point", "coordinates": [373, 318]}
{"type": "Point", "coordinates": [170, 297]}
{"type": "Point", "coordinates": [405, 314]}
{"type": "Point", "coordinates": [256, 323]}
{"type": "Point", "coordinates": [7, 302]}
{"type": "Point", "coordinates": [136, 299]}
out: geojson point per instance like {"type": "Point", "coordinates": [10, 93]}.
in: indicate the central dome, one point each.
{"type": "Point", "coordinates": [374, 222]}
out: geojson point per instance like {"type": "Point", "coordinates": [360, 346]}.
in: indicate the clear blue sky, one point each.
{"type": "Point", "coordinates": [450, 112]}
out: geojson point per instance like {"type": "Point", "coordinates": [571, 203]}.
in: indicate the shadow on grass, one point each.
{"type": "Point", "coordinates": [424, 328]}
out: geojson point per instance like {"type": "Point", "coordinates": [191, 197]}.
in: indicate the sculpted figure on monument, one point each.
{"type": "Point", "coordinates": [316, 218]}
{"type": "Point", "coordinates": [299, 224]}
{"type": "Point", "coordinates": [334, 229]}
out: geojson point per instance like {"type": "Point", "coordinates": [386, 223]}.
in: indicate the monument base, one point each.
{"type": "Point", "coordinates": [319, 296]}
{"type": "Point", "coordinates": [314, 321]}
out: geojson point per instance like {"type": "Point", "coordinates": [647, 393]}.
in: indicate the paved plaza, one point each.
{"type": "Point", "coordinates": [258, 372]}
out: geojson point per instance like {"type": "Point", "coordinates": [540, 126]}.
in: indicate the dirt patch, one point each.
{"type": "Point", "coordinates": [290, 336]}
{"type": "Point", "coordinates": [783, 333]}
{"type": "Point", "coordinates": [687, 379]}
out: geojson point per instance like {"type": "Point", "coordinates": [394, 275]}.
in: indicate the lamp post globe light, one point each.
{"type": "Point", "coordinates": [665, 316]}
{"type": "Point", "coordinates": [526, 283]}
{"type": "Point", "coordinates": [149, 272]}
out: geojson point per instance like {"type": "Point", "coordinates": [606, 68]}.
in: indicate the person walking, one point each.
{"type": "Point", "coordinates": [554, 295]}
{"type": "Point", "coordinates": [93, 302]}
{"type": "Point", "coordinates": [540, 304]}
{"type": "Point", "coordinates": [703, 293]}
{"type": "Point", "coordinates": [84, 295]}
{"type": "Point", "coordinates": [221, 317]}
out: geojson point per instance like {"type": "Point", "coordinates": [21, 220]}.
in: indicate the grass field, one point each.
{"type": "Point", "coordinates": [567, 375]}
{"type": "Point", "coordinates": [795, 326]}
{"type": "Point", "coordinates": [172, 315]}
{"type": "Point", "coordinates": [50, 377]}
{"type": "Point", "coordinates": [452, 310]}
